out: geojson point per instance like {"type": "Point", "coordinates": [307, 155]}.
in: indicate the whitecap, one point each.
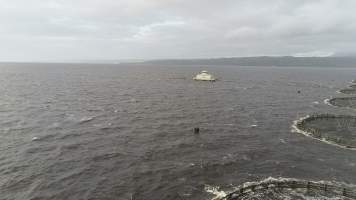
{"type": "Point", "coordinates": [283, 141]}
{"type": "Point", "coordinates": [218, 194]}
{"type": "Point", "coordinates": [191, 164]}
{"type": "Point", "coordinates": [327, 102]}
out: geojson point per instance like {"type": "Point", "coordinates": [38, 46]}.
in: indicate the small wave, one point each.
{"type": "Point", "coordinates": [40, 149]}
{"type": "Point", "coordinates": [45, 137]}
{"type": "Point", "coordinates": [283, 141]}
{"type": "Point", "coordinates": [55, 125]}
{"type": "Point", "coordinates": [86, 119]}
{"type": "Point", "coordinates": [107, 156]}
{"type": "Point", "coordinates": [133, 100]}
{"type": "Point", "coordinates": [177, 78]}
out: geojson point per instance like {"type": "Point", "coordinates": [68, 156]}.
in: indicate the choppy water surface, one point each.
{"type": "Point", "coordinates": [126, 131]}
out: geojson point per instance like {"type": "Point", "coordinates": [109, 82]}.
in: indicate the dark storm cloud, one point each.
{"type": "Point", "coordinates": [120, 29]}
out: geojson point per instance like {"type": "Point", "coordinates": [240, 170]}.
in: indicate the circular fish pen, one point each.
{"type": "Point", "coordinates": [339, 130]}
{"type": "Point", "coordinates": [279, 189]}
{"type": "Point", "coordinates": [346, 102]}
{"type": "Point", "coordinates": [351, 90]}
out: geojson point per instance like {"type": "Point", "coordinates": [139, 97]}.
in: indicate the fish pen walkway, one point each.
{"type": "Point", "coordinates": [292, 189]}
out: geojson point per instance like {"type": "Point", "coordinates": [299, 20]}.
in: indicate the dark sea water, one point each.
{"type": "Point", "coordinates": [80, 131]}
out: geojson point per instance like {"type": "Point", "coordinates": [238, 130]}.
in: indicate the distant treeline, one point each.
{"type": "Point", "coordinates": [265, 61]}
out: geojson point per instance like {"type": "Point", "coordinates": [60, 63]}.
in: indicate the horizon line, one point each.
{"type": "Point", "coordinates": [138, 60]}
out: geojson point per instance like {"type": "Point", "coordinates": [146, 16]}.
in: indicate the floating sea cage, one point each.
{"type": "Point", "coordinates": [292, 189]}
{"type": "Point", "coordinates": [347, 102]}
{"type": "Point", "coordinates": [339, 130]}
{"type": "Point", "coordinates": [350, 90]}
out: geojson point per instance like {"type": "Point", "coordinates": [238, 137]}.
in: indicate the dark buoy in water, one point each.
{"type": "Point", "coordinates": [196, 130]}
{"type": "Point", "coordinates": [299, 91]}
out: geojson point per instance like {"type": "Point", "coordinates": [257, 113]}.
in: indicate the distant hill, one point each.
{"type": "Point", "coordinates": [265, 61]}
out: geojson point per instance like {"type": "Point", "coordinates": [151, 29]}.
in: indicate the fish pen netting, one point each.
{"type": "Point", "coordinates": [348, 91]}
{"type": "Point", "coordinates": [335, 129]}
{"type": "Point", "coordinates": [349, 102]}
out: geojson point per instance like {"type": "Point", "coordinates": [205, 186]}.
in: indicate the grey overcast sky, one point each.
{"type": "Point", "coordinates": [54, 30]}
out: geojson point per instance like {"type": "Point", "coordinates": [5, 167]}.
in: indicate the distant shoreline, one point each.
{"type": "Point", "coordinates": [261, 61]}
{"type": "Point", "coordinates": [285, 61]}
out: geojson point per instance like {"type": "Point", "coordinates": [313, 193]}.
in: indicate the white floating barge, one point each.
{"type": "Point", "coordinates": [204, 76]}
